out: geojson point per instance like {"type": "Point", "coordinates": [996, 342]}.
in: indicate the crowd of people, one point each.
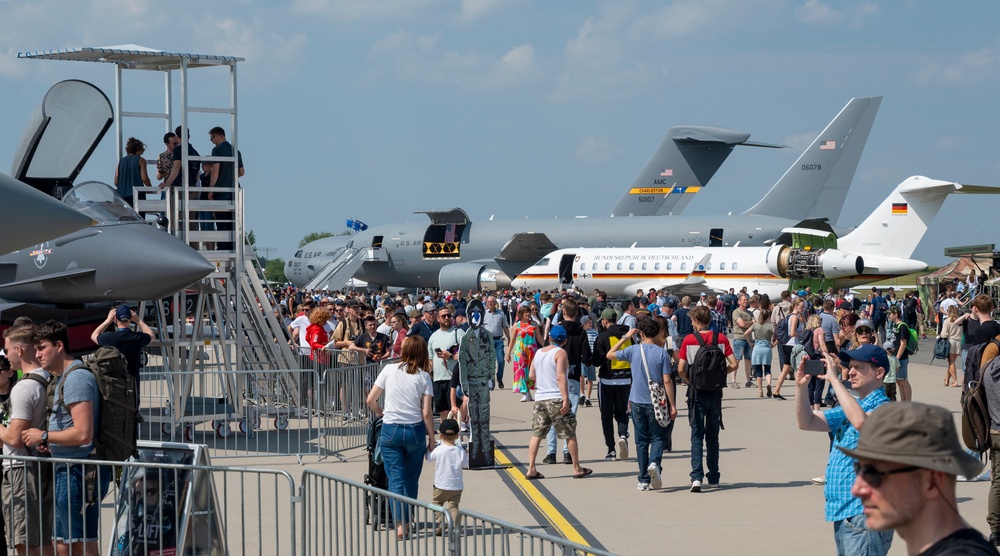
{"type": "Point", "coordinates": [846, 357]}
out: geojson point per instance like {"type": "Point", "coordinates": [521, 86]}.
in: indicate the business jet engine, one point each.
{"type": "Point", "coordinates": [472, 276]}
{"type": "Point", "coordinates": [788, 262]}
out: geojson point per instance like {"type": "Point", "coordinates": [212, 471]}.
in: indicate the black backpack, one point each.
{"type": "Point", "coordinates": [118, 427]}
{"type": "Point", "coordinates": [975, 407]}
{"type": "Point", "coordinates": [781, 330]}
{"type": "Point", "coordinates": [709, 369]}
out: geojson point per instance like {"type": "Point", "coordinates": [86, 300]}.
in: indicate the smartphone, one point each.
{"type": "Point", "coordinates": [814, 367]}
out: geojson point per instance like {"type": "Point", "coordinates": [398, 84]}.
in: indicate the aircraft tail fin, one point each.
{"type": "Point", "coordinates": [684, 162]}
{"type": "Point", "coordinates": [816, 185]}
{"type": "Point", "coordinates": [898, 224]}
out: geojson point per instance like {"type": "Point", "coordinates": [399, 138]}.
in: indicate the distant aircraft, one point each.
{"type": "Point", "coordinates": [119, 258]}
{"type": "Point", "coordinates": [454, 252]}
{"type": "Point", "coordinates": [877, 249]}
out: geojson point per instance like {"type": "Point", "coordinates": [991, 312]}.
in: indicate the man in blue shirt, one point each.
{"type": "Point", "coordinates": [73, 421]}
{"type": "Point", "coordinates": [868, 364]}
{"type": "Point", "coordinates": [222, 176]}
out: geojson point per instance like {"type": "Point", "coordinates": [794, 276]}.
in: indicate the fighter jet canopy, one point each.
{"type": "Point", "coordinates": [61, 135]}
{"type": "Point", "coordinates": [101, 203]}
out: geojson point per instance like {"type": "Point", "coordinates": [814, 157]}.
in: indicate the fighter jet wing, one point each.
{"type": "Point", "coordinates": [38, 285]}
{"type": "Point", "coordinates": [527, 248]}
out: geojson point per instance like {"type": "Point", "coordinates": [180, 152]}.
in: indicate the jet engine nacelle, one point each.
{"type": "Point", "coordinates": [787, 262]}
{"type": "Point", "coordinates": [471, 276]}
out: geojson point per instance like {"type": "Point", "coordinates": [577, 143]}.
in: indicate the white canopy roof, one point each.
{"type": "Point", "coordinates": [133, 56]}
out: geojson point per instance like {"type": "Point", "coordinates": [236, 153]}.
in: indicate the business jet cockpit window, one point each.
{"type": "Point", "coordinates": [100, 202]}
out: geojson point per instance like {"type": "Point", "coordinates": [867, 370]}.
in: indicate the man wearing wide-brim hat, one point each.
{"type": "Point", "coordinates": [908, 456]}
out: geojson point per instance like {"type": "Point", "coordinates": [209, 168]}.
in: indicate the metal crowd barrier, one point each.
{"type": "Point", "coordinates": [344, 384]}
{"type": "Point", "coordinates": [235, 413]}
{"type": "Point", "coordinates": [158, 508]}
{"type": "Point", "coordinates": [340, 516]}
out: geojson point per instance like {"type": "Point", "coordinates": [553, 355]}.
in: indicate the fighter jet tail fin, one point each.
{"type": "Point", "coordinates": [898, 224]}
{"type": "Point", "coordinates": [685, 161]}
{"type": "Point", "coordinates": [816, 185]}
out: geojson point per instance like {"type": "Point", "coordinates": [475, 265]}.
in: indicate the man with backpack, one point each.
{"type": "Point", "coordinates": [27, 488]}
{"type": "Point", "coordinates": [878, 308]}
{"type": "Point", "coordinates": [577, 348]}
{"type": "Point", "coordinates": [73, 420]}
{"type": "Point", "coordinates": [706, 358]}
{"type": "Point", "coordinates": [899, 334]}
{"type": "Point", "coordinates": [614, 386]}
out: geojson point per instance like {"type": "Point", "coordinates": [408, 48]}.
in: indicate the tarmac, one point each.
{"type": "Point", "coordinates": [767, 503]}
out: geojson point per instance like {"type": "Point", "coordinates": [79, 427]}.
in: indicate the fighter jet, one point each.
{"type": "Point", "coordinates": [878, 249]}
{"type": "Point", "coordinates": [120, 257]}
{"type": "Point", "coordinates": [452, 252]}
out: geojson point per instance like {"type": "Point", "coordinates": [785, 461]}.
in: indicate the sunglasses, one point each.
{"type": "Point", "coordinates": [863, 330]}
{"type": "Point", "coordinates": [873, 476]}
{"type": "Point", "coordinates": [444, 315]}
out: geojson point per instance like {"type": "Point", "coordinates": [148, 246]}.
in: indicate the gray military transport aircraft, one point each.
{"type": "Point", "coordinates": [452, 252]}
{"type": "Point", "coordinates": [120, 257]}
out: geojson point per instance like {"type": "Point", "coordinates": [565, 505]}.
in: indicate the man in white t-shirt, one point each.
{"type": "Point", "coordinates": [27, 508]}
{"type": "Point", "coordinates": [552, 404]}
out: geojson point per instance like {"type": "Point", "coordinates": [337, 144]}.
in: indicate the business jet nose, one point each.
{"type": "Point", "coordinates": [159, 264]}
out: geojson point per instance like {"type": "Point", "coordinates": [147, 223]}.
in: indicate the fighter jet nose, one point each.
{"type": "Point", "coordinates": [161, 266]}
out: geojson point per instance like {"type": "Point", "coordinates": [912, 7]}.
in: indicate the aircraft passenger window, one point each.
{"type": "Point", "coordinates": [631, 266]}
{"type": "Point", "coordinates": [708, 266]}
{"type": "Point", "coordinates": [684, 266]}
{"type": "Point", "coordinates": [607, 266]}
{"type": "Point", "coordinates": [644, 266]}
{"type": "Point", "coordinates": [656, 266]}
{"type": "Point", "coordinates": [618, 266]}
{"type": "Point", "coordinates": [670, 266]}
{"type": "Point", "coordinates": [734, 266]}
{"type": "Point", "coordinates": [583, 266]}
{"type": "Point", "coordinates": [593, 266]}
{"type": "Point", "coordinates": [722, 266]}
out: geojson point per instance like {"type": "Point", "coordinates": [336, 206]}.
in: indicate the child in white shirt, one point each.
{"type": "Point", "coordinates": [449, 459]}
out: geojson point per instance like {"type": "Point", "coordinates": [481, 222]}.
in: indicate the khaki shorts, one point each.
{"type": "Point", "coordinates": [546, 413]}
{"type": "Point", "coordinates": [27, 508]}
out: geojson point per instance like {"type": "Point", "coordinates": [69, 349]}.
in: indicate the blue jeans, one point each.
{"type": "Point", "coordinates": [403, 449]}
{"type": "Point", "coordinates": [574, 401]}
{"type": "Point", "coordinates": [854, 539]}
{"type": "Point", "coordinates": [705, 417]}
{"type": "Point", "coordinates": [650, 438]}
{"type": "Point", "coordinates": [77, 512]}
{"type": "Point", "coordinates": [498, 347]}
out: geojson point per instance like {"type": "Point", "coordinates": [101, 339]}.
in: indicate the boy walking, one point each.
{"type": "Point", "coordinates": [449, 459]}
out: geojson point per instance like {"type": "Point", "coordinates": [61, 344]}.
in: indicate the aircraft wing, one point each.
{"type": "Point", "coordinates": [527, 248]}
{"type": "Point", "coordinates": [693, 284]}
{"type": "Point", "coordinates": [37, 286]}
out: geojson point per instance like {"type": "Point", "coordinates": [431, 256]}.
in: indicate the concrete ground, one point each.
{"type": "Point", "coordinates": [767, 503]}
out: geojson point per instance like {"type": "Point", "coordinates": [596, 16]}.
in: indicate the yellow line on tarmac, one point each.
{"type": "Point", "coordinates": [540, 501]}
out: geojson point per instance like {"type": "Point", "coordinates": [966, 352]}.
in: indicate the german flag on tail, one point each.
{"type": "Point", "coordinates": [899, 209]}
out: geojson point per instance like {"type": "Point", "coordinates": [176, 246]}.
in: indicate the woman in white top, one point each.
{"type": "Point", "coordinates": [952, 329]}
{"type": "Point", "coordinates": [407, 422]}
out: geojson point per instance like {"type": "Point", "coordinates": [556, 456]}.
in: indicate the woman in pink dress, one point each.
{"type": "Point", "coordinates": [525, 341]}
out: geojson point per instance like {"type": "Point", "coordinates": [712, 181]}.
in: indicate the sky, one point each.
{"type": "Point", "coordinates": [516, 108]}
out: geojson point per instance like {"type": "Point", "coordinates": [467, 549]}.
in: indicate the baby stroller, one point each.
{"type": "Point", "coordinates": [377, 511]}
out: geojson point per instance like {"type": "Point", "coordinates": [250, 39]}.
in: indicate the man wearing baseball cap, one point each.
{"type": "Point", "coordinates": [868, 364]}
{"type": "Point", "coordinates": [907, 458]}
{"type": "Point", "coordinates": [128, 341]}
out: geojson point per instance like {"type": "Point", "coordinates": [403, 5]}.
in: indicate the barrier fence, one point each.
{"type": "Point", "coordinates": [170, 505]}
{"type": "Point", "coordinates": [314, 411]}
{"type": "Point", "coordinates": [156, 507]}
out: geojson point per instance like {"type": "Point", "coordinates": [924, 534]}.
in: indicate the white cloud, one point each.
{"type": "Point", "coordinates": [421, 58]}
{"type": "Point", "coordinates": [360, 9]}
{"type": "Point", "coordinates": [596, 149]}
{"type": "Point", "coordinates": [800, 141]}
{"type": "Point", "coordinates": [816, 12]}
{"type": "Point", "coordinates": [948, 142]}
{"type": "Point", "coordinates": [271, 55]}
{"type": "Point", "coordinates": [971, 67]}
{"type": "Point", "coordinates": [476, 9]}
